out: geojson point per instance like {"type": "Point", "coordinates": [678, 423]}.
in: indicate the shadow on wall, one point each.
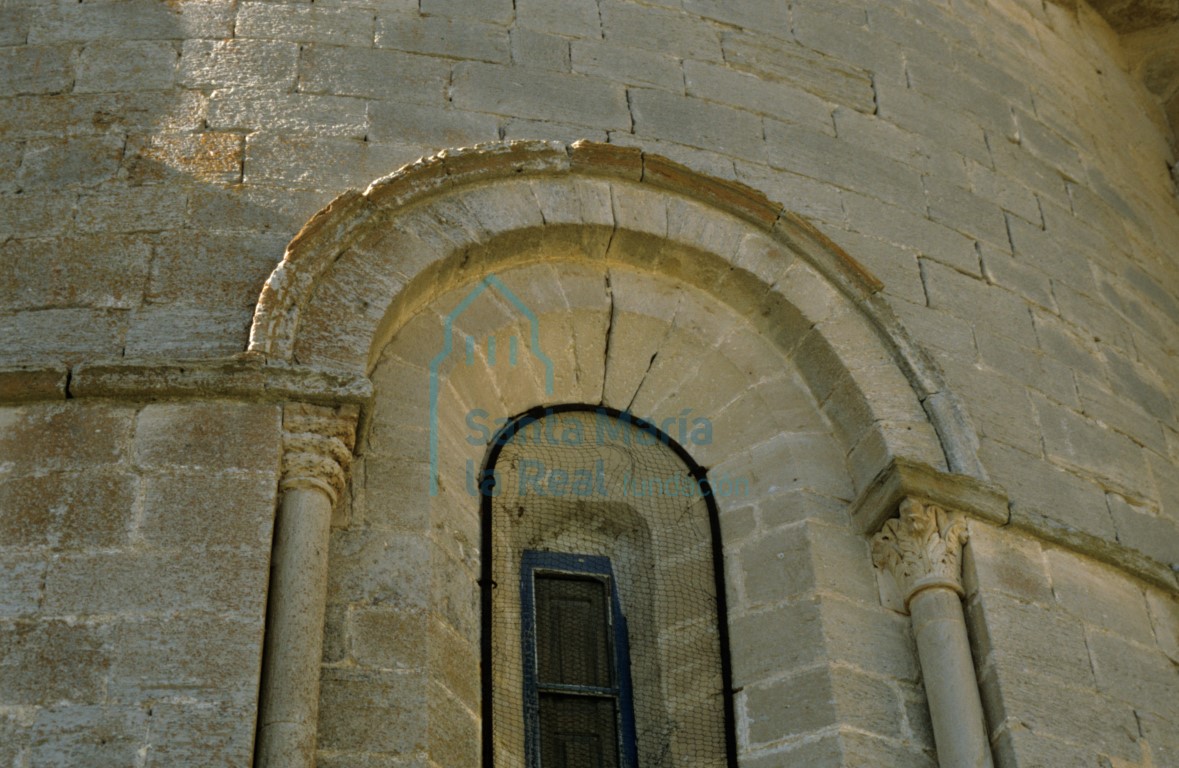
{"type": "Point", "coordinates": [131, 224]}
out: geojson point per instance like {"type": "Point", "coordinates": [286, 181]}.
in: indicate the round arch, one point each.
{"type": "Point", "coordinates": [363, 266]}
{"type": "Point", "coordinates": [651, 290]}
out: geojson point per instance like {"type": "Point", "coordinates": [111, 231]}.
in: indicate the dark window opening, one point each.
{"type": "Point", "coordinates": [577, 693]}
{"type": "Point", "coordinates": [604, 635]}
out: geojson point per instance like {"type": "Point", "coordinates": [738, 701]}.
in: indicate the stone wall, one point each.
{"type": "Point", "coordinates": [135, 552]}
{"type": "Point", "coordinates": [991, 163]}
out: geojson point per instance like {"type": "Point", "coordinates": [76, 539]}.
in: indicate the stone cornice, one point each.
{"type": "Point", "coordinates": [987, 502]}
{"type": "Point", "coordinates": [242, 377]}
{"type": "Point", "coordinates": [922, 549]}
{"type": "Point", "coordinates": [903, 479]}
{"type": "Point", "coordinates": [317, 446]}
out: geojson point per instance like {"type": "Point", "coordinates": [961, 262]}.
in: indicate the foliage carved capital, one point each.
{"type": "Point", "coordinates": [922, 548]}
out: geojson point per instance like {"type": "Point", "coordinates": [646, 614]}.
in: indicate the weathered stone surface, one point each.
{"type": "Point", "coordinates": [213, 436]}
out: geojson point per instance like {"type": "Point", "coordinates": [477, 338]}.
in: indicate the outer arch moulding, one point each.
{"type": "Point", "coordinates": [311, 258]}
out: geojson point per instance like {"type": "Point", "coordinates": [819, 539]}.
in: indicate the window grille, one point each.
{"type": "Point", "coordinates": [602, 597]}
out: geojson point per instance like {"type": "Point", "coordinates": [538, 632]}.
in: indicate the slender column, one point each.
{"type": "Point", "coordinates": [317, 449]}
{"type": "Point", "coordinates": [922, 549]}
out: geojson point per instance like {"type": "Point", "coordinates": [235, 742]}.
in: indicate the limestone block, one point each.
{"type": "Point", "coordinates": [77, 161]}
{"type": "Point", "coordinates": [633, 66]}
{"type": "Point", "coordinates": [540, 95]}
{"type": "Point", "coordinates": [24, 579]}
{"type": "Point", "coordinates": [180, 332]}
{"type": "Point", "coordinates": [1160, 734]}
{"type": "Point", "coordinates": [370, 711]}
{"type": "Point", "coordinates": [211, 435]}
{"type": "Point", "coordinates": [901, 145]}
{"type": "Point", "coordinates": [131, 209]}
{"type": "Point", "coordinates": [14, 21]}
{"type": "Point", "coordinates": [378, 567]}
{"type": "Point", "coordinates": [313, 163]}
{"type": "Point", "coordinates": [1154, 535]}
{"type": "Point", "coordinates": [838, 29]}
{"type": "Point", "coordinates": [1140, 675]}
{"type": "Point", "coordinates": [94, 271]}
{"type": "Point", "coordinates": [1141, 385]}
{"type": "Point", "coordinates": [579, 21]}
{"type": "Point", "coordinates": [453, 728]}
{"type": "Point", "coordinates": [859, 169]}
{"type": "Point", "coordinates": [67, 510]}
{"type": "Point", "coordinates": [1005, 562]}
{"type": "Point", "coordinates": [208, 156]}
{"type": "Point", "coordinates": [1074, 440]}
{"type": "Point", "coordinates": [1008, 193]}
{"type": "Point", "coordinates": [230, 63]}
{"type": "Point", "coordinates": [778, 566]}
{"type": "Point", "coordinates": [220, 263]}
{"type": "Point", "coordinates": [429, 126]}
{"type": "Point", "coordinates": [909, 228]}
{"type": "Point", "coordinates": [190, 734]}
{"type": "Point", "coordinates": [210, 658]}
{"type": "Point", "coordinates": [1026, 637]}
{"type": "Point", "coordinates": [294, 113]}
{"type": "Point", "coordinates": [440, 36]}
{"type": "Point", "coordinates": [819, 698]}
{"type": "Point", "coordinates": [495, 11]}
{"type": "Point", "coordinates": [660, 29]}
{"type": "Point", "coordinates": [966, 297]}
{"type": "Point", "coordinates": [126, 66]}
{"type": "Point", "coordinates": [37, 213]}
{"type": "Point", "coordinates": [1011, 160]}
{"type": "Point", "coordinates": [137, 581]}
{"type": "Point", "coordinates": [454, 657]}
{"type": "Point", "coordinates": [98, 734]}
{"type": "Point", "coordinates": [61, 334]}
{"type": "Point", "coordinates": [871, 638]}
{"type": "Point", "coordinates": [1047, 144]}
{"type": "Point", "coordinates": [1018, 276]}
{"type": "Point", "coordinates": [944, 126]}
{"type": "Point", "coordinates": [304, 24]}
{"type": "Point", "coordinates": [1165, 618]}
{"type": "Point", "coordinates": [366, 72]}
{"type": "Point", "coordinates": [741, 89]}
{"type": "Point", "coordinates": [1020, 746]}
{"type": "Point", "coordinates": [776, 641]}
{"type": "Point", "coordinates": [762, 54]}
{"type": "Point", "coordinates": [197, 509]}
{"type": "Point", "coordinates": [49, 660]}
{"type": "Point", "coordinates": [868, 750]}
{"type": "Point", "coordinates": [138, 20]}
{"type": "Point", "coordinates": [697, 123]}
{"type": "Point", "coordinates": [249, 208]}
{"type": "Point", "coordinates": [538, 50]}
{"type": "Point", "coordinates": [928, 76]}
{"type": "Point", "coordinates": [794, 506]}
{"type": "Point", "coordinates": [31, 69]}
{"type": "Point", "coordinates": [961, 209]}
{"type": "Point", "coordinates": [41, 437]}
{"type": "Point", "coordinates": [383, 639]}
{"type": "Point", "coordinates": [1099, 596]}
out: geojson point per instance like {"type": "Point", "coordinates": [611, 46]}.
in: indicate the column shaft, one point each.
{"type": "Point", "coordinates": [294, 630]}
{"type": "Point", "coordinates": [317, 448]}
{"type": "Point", "coordinates": [950, 685]}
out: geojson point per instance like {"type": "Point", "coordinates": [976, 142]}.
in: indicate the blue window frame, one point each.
{"type": "Point", "coordinates": [578, 706]}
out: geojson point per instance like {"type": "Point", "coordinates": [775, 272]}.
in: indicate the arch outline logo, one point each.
{"type": "Point", "coordinates": [488, 282]}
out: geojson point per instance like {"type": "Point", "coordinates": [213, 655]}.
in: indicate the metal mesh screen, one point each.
{"type": "Point", "coordinates": [592, 508]}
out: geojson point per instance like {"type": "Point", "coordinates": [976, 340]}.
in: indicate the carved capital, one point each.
{"type": "Point", "coordinates": [317, 446]}
{"type": "Point", "coordinates": [922, 548]}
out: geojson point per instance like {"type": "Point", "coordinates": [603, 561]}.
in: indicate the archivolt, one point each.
{"type": "Point", "coordinates": [367, 262]}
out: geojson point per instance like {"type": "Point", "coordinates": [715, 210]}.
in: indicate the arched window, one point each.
{"type": "Point", "coordinates": [604, 632]}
